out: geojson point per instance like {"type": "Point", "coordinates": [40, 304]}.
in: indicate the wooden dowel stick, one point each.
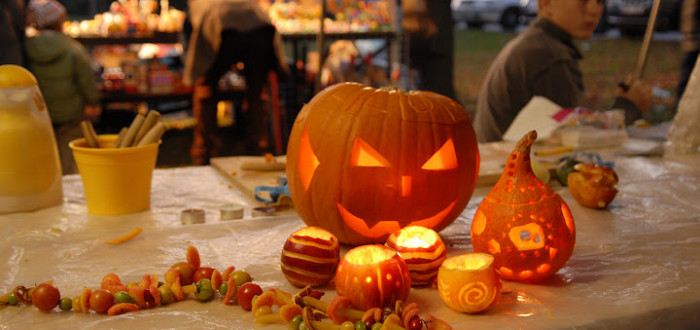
{"type": "Point", "coordinates": [133, 129]}
{"type": "Point", "coordinates": [151, 119]}
{"type": "Point", "coordinates": [120, 137]}
{"type": "Point", "coordinates": [89, 134]}
{"type": "Point", "coordinates": [153, 135]}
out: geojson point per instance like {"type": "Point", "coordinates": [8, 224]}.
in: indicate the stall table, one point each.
{"type": "Point", "coordinates": [636, 264]}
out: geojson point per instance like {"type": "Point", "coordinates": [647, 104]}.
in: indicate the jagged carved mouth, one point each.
{"type": "Point", "coordinates": [386, 227]}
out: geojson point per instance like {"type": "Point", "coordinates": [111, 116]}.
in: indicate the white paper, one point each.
{"type": "Point", "coordinates": [537, 114]}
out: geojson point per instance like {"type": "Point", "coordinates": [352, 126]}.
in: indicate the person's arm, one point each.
{"type": "Point", "coordinates": [634, 99]}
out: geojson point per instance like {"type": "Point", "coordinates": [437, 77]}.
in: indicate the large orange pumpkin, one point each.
{"type": "Point", "coordinates": [523, 223]}
{"type": "Point", "coordinates": [364, 162]}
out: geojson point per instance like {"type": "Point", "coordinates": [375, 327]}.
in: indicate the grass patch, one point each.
{"type": "Point", "coordinates": [606, 62]}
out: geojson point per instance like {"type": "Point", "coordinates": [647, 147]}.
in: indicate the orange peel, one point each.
{"type": "Point", "coordinates": [126, 237]}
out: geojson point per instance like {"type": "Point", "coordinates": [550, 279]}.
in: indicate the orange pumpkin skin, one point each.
{"type": "Point", "coordinates": [372, 276]}
{"type": "Point", "coordinates": [523, 223]}
{"type": "Point", "coordinates": [364, 162]}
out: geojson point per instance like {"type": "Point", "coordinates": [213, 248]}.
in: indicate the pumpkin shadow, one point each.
{"type": "Point", "coordinates": [517, 303]}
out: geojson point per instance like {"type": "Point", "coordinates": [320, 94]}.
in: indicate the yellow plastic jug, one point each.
{"type": "Point", "coordinates": [30, 170]}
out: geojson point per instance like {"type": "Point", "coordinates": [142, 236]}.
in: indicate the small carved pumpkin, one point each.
{"type": "Point", "coordinates": [469, 283]}
{"type": "Point", "coordinates": [523, 223]}
{"type": "Point", "coordinates": [364, 162]}
{"type": "Point", "coordinates": [372, 276]}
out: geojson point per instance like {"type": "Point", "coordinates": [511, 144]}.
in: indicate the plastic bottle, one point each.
{"type": "Point", "coordinates": [30, 170]}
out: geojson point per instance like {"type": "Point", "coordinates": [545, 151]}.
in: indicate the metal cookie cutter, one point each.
{"type": "Point", "coordinates": [231, 212]}
{"type": "Point", "coordinates": [192, 216]}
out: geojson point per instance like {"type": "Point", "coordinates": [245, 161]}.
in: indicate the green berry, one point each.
{"type": "Point", "coordinates": [241, 276]}
{"type": "Point", "coordinates": [359, 325]}
{"type": "Point", "coordinates": [12, 299]}
{"type": "Point", "coordinates": [296, 320]}
{"type": "Point", "coordinates": [223, 288]}
{"type": "Point", "coordinates": [123, 297]}
{"type": "Point", "coordinates": [65, 304]}
{"type": "Point", "coordinates": [166, 294]}
{"type": "Point", "coordinates": [204, 290]}
{"type": "Point", "coordinates": [377, 326]}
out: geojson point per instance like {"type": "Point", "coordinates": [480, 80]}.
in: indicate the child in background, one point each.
{"type": "Point", "coordinates": [62, 67]}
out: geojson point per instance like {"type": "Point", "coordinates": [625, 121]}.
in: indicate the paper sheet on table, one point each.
{"type": "Point", "coordinates": [536, 114]}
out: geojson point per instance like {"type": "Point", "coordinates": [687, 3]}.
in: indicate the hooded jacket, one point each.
{"type": "Point", "coordinates": [62, 68]}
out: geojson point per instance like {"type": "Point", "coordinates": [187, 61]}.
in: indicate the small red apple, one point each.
{"type": "Point", "coordinates": [310, 257]}
{"type": "Point", "coordinates": [593, 185]}
{"type": "Point", "coordinates": [373, 276]}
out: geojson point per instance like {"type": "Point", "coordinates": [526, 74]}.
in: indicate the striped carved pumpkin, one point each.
{"type": "Point", "coordinates": [422, 249]}
{"type": "Point", "coordinates": [364, 162]}
{"type": "Point", "coordinates": [310, 257]}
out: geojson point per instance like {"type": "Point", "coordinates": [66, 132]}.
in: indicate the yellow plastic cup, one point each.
{"type": "Point", "coordinates": [116, 180]}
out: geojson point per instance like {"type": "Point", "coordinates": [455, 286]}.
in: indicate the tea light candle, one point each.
{"type": "Point", "coordinates": [422, 249]}
{"type": "Point", "coordinates": [469, 283]}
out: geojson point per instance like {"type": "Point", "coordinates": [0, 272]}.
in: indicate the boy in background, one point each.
{"type": "Point", "coordinates": [543, 60]}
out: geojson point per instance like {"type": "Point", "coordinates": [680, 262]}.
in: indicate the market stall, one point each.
{"type": "Point", "coordinates": [635, 264]}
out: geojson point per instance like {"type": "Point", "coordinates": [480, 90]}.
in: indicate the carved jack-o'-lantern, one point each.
{"type": "Point", "coordinates": [523, 223]}
{"type": "Point", "coordinates": [364, 162]}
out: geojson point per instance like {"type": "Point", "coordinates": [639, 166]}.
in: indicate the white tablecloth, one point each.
{"type": "Point", "coordinates": [636, 264]}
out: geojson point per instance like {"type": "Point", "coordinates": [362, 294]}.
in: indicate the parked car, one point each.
{"type": "Point", "coordinates": [632, 16]}
{"type": "Point", "coordinates": [476, 13]}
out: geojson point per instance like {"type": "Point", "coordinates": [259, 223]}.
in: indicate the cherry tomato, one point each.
{"type": "Point", "coordinates": [186, 272]}
{"type": "Point", "coordinates": [45, 297]}
{"type": "Point", "coordinates": [241, 276]}
{"type": "Point", "coordinates": [246, 293]}
{"type": "Point", "coordinates": [415, 323]}
{"type": "Point", "coordinates": [101, 300]}
{"type": "Point", "coordinates": [203, 272]}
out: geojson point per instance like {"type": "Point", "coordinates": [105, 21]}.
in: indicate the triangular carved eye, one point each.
{"type": "Point", "coordinates": [443, 159]}
{"type": "Point", "coordinates": [364, 155]}
{"type": "Point", "coordinates": [308, 162]}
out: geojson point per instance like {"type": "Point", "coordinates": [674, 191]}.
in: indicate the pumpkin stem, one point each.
{"type": "Point", "coordinates": [526, 142]}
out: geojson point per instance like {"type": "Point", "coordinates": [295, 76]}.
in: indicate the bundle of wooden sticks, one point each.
{"type": "Point", "coordinates": [143, 130]}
